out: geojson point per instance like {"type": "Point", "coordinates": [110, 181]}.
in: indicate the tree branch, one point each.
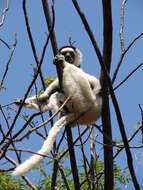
{"type": "Point", "coordinates": [106, 121]}
{"type": "Point", "coordinates": [4, 148]}
{"type": "Point", "coordinates": [59, 71]}
{"type": "Point", "coordinates": [114, 100]}
{"type": "Point", "coordinates": [9, 60]}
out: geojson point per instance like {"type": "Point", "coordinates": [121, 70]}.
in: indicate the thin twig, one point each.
{"type": "Point", "coordinates": [32, 41]}
{"type": "Point", "coordinates": [129, 140]}
{"type": "Point", "coordinates": [128, 76]}
{"type": "Point", "coordinates": [30, 152]}
{"type": "Point", "coordinates": [9, 60]}
{"type": "Point", "coordinates": [122, 26]}
{"type": "Point", "coordinates": [4, 13]}
{"type": "Point", "coordinates": [7, 105]}
{"type": "Point", "coordinates": [122, 56]}
{"type": "Point", "coordinates": [42, 117]}
{"type": "Point", "coordinates": [5, 43]}
{"type": "Point", "coordinates": [29, 123]}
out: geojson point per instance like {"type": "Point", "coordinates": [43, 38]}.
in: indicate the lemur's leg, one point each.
{"type": "Point", "coordinates": [46, 148]}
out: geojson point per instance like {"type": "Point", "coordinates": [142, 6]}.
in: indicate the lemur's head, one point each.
{"type": "Point", "coordinates": [72, 55]}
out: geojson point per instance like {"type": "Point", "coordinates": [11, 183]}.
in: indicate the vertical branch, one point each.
{"type": "Point", "coordinates": [52, 37]}
{"type": "Point", "coordinates": [89, 31]}
{"type": "Point", "coordinates": [85, 161]}
{"type": "Point", "coordinates": [106, 121]}
{"type": "Point", "coordinates": [68, 129]}
{"type": "Point", "coordinates": [72, 158]}
{"type": "Point", "coordinates": [92, 153]}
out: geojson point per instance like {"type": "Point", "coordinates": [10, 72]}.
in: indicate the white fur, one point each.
{"type": "Point", "coordinates": [84, 107]}
{"type": "Point", "coordinates": [49, 99]}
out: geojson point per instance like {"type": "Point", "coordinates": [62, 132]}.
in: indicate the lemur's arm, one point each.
{"type": "Point", "coordinates": [41, 102]}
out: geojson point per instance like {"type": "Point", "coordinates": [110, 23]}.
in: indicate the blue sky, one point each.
{"type": "Point", "coordinates": [20, 72]}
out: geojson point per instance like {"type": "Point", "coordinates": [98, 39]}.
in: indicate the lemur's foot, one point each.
{"type": "Point", "coordinates": [18, 102]}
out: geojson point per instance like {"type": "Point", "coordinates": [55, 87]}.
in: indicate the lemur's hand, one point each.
{"type": "Point", "coordinates": [59, 59]}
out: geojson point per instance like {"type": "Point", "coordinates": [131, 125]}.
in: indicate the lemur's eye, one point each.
{"type": "Point", "coordinates": [69, 56]}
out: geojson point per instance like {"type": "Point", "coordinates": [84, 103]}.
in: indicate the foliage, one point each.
{"type": "Point", "coordinates": [7, 182]}
{"type": "Point", "coordinates": [47, 81]}
{"type": "Point", "coordinates": [122, 176]}
{"type": "Point", "coordinates": [2, 88]}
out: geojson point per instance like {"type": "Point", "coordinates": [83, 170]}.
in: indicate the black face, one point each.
{"type": "Point", "coordinates": [69, 56]}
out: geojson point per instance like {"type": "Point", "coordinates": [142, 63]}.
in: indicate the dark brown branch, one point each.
{"type": "Point", "coordinates": [63, 176]}
{"type": "Point", "coordinates": [2, 132]}
{"type": "Point", "coordinates": [72, 158]}
{"type": "Point", "coordinates": [32, 41]}
{"type": "Point", "coordinates": [114, 100]}
{"type": "Point", "coordinates": [84, 160]}
{"type": "Point", "coordinates": [53, 37]}
{"type": "Point", "coordinates": [5, 43]}
{"type": "Point", "coordinates": [89, 31]}
{"type": "Point", "coordinates": [106, 121]}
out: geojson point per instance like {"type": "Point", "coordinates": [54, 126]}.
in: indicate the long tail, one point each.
{"type": "Point", "coordinates": [46, 148]}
